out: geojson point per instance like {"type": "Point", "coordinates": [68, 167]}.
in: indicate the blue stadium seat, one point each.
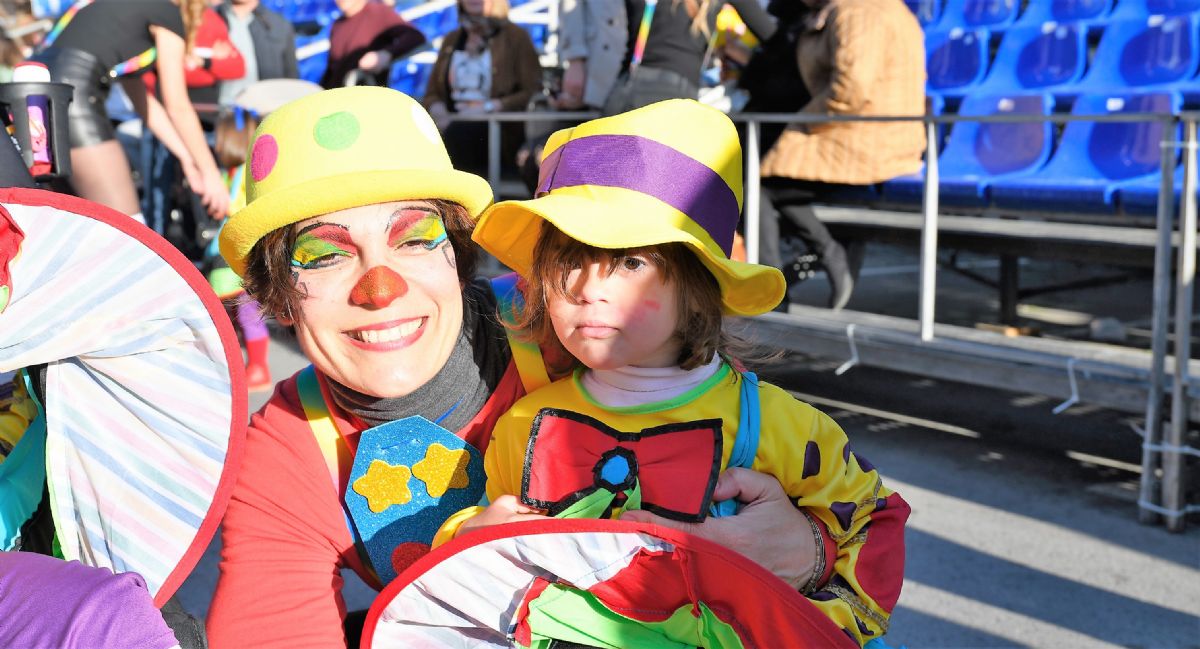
{"type": "Point", "coordinates": [1037, 58]}
{"type": "Point", "coordinates": [410, 78]}
{"type": "Point", "coordinates": [978, 153]}
{"type": "Point", "coordinates": [955, 60]}
{"type": "Point", "coordinates": [1141, 196]}
{"type": "Point", "coordinates": [1134, 54]}
{"type": "Point", "coordinates": [1093, 160]}
{"type": "Point", "coordinates": [927, 11]}
{"type": "Point", "coordinates": [980, 14]}
{"type": "Point", "coordinates": [1061, 11]}
{"type": "Point", "coordinates": [1142, 9]}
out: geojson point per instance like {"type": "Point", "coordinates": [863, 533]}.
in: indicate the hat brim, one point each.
{"type": "Point", "coordinates": [610, 217]}
{"type": "Point", "coordinates": [296, 203]}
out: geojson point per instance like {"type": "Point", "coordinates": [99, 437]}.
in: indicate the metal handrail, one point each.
{"type": "Point", "coordinates": [1171, 453]}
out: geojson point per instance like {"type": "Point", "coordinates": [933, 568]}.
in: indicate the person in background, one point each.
{"type": "Point", "coordinates": [364, 41]}
{"type": "Point", "coordinates": [486, 65]}
{"type": "Point", "coordinates": [94, 43]}
{"type": "Point", "coordinates": [10, 56]}
{"type": "Point", "coordinates": [847, 73]}
{"type": "Point", "coordinates": [668, 43]}
{"type": "Point", "coordinates": [592, 35]}
{"type": "Point", "coordinates": [265, 39]}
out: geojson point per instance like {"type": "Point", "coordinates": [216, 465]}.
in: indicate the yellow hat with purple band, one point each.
{"type": "Point", "coordinates": [338, 149]}
{"type": "Point", "coordinates": [669, 172]}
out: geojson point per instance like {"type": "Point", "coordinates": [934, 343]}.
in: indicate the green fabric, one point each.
{"type": "Point", "coordinates": [224, 281]}
{"type": "Point", "coordinates": [573, 615]}
{"type": "Point", "coordinates": [657, 406]}
{"type": "Point", "coordinates": [596, 504]}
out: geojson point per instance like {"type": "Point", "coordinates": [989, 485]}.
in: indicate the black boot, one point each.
{"type": "Point", "coordinates": [841, 279]}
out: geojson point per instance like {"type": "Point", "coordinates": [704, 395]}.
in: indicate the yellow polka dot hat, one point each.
{"type": "Point", "coordinates": [339, 149]}
{"type": "Point", "coordinates": [670, 172]}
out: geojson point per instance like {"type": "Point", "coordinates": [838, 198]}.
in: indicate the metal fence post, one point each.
{"type": "Point", "coordinates": [1150, 486]}
{"type": "Point", "coordinates": [493, 166]}
{"type": "Point", "coordinates": [1172, 458]}
{"type": "Point", "coordinates": [753, 192]}
{"type": "Point", "coordinates": [929, 233]}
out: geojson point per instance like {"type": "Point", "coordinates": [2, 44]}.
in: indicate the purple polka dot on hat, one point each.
{"type": "Point", "coordinates": [844, 512]}
{"type": "Point", "coordinates": [262, 160]}
{"type": "Point", "coordinates": [337, 131]}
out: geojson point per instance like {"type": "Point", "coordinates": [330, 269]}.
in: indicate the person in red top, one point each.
{"type": "Point", "coordinates": [365, 40]}
{"type": "Point", "coordinates": [213, 59]}
{"type": "Point", "coordinates": [356, 234]}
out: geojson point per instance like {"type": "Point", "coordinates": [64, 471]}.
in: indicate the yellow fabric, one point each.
{"type": "Point", "coordinates": [788, 426]}
{"type": "Point", "coordinates": [609, 217]}
{"type": "Point", "coordinates": [338, 149]}
{"type": "Point", "coordinates": [15, 415]}
{"type": "Point", "coordinates": [450, 528]}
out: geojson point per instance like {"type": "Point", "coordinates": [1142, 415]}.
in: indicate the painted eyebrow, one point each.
{"type": "Point", "coordinates": [340, 233]}
{"type": "Point", "coordinates": [405, 218]}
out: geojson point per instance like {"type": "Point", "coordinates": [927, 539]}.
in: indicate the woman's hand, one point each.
{"type": "Point", "coordinates": [768, 528]}
{"type": "Point", "coordinates": [506, 509]}
{"type": "Point", "coordinates": [209, 187]}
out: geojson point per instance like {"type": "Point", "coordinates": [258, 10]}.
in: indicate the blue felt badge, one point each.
{"type": "Point", "coordinates": [408, 477]}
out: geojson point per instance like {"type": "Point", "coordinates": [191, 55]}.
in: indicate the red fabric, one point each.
{"type": "Point", "coordinates": [285, 536]}
{"type": "Point", "coordinates": [212, 30]}
{"type": "Point", "coordinates": [233, 357]}
{"type": "Point", "coordinates": [769, 613]}
{"type": "Point", "coordinates": [677, 465]}
{"type": "Point", "coordinates": [10, 242]}
{"type": "Point", "coordinates": [880, 567]}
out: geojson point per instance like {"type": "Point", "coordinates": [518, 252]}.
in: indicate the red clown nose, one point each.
{"type": "Point", "coordinates": [378, 287]}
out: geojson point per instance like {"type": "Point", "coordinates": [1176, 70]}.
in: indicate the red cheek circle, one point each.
{"type": "Point", "coordinates": [262, 160]}
{"type": "Point", "coordinates": [652, 305]}
{"type": "Point", "coordinates": [406, 554]}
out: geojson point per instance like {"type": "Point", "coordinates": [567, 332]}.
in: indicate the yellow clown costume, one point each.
{"type": "Point", "coordinates": [644, 178]}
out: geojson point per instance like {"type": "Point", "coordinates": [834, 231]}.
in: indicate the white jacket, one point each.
{"type": "Point", "coordinates": [596, 30]}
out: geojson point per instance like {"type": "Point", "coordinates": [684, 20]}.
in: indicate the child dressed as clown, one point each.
{"type": "Point", "coordinates": [625, 252]}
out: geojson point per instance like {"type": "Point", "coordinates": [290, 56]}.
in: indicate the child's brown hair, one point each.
{"type": "Point", "coordinates": [700, 329]}
{"type": "Point", "coordinates": [233, 142]}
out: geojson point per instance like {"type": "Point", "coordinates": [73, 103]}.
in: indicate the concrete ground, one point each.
{"type": "Point", "coordinates": [1024, 529]}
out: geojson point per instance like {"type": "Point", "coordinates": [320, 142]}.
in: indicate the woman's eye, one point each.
{"type": "Point", "coordinates": [427, 244]}
{"type": "Point", "coordinates": [316, 262]}
{"type": "Point", "coordinates": [632, 263]}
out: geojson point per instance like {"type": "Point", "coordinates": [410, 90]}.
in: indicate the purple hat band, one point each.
{"type": "Point", "coordinates": [652, 168]}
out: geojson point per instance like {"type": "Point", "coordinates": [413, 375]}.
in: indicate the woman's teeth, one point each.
{"type": "Point", "coordinates": [387, 335]}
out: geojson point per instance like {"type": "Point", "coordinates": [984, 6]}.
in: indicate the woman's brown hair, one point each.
{"type": "Point", "coordinates": [268, 276]}
{"type": "Point", "coordinates": [700, 329]}
{"type": "Point", "coordinates": [192, 11]}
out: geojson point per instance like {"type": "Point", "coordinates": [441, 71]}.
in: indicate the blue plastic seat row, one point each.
{"type": "Point", "coordinates": [945, 15]}
{"type": "Point", "coordinates": [1014, 165]}
{"type": "Point", "coordinates": [1162, 52]}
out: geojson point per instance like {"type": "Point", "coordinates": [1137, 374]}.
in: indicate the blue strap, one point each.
{"type": "Point", "coordinates": [23, 476]}
{"type": "Point", "coordinates": [745, 446]}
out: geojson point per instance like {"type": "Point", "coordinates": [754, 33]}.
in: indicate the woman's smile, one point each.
{"type": "Point", "coordinates": [388, 335]}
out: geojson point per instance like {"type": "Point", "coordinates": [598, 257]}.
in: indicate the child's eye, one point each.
{"type": "Point", "coordinates": [317, 262]}
{"type": "Point", "coordinates": [632, 263]}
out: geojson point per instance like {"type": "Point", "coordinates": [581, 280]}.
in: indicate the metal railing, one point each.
{"type": "Point", "coordinates": [1165, 450]}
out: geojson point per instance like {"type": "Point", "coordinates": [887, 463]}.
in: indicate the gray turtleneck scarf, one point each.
{"type": "Point", "coordinates": [458, 391]}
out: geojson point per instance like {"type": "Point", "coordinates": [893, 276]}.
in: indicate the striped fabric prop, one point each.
{"type": "Point", "coordinates": [146, 398]}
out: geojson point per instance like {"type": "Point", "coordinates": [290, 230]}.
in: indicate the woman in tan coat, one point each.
{"type": "Point", "coordinates": [856, 57]}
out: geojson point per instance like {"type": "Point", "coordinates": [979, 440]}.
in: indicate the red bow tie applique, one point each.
{"type": "Point", "coordinates": [571, 455]}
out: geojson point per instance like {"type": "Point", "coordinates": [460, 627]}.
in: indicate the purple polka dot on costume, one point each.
{"type": "Point", "coordinates": [880, 503]}
{"type": "Point", "coordinates": [812, 460]}
{"type": "Point", "coordinates": [823, 596]}
{"type": "Point", "coordinates": [846, 453]}
{"type": "Point", "coordinates": [262, 160]}
{"type": "Point", "coordinates": [844, 513]}
{"type": "Point", "coordinates": [336, 131]}
{"type": "Point", "coordinates": [862, 628]}
{"type": "Point", "coordinates": [864, 462]}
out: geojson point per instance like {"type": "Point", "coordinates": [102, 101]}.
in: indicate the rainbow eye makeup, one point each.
{"type": "Point", "coordinates": [320, 244]}
{"type": "Point", "coordinates": [410, 228]}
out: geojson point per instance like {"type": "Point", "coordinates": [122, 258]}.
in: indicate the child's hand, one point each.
{"type": "Point", "coordinates": [506, 509]}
